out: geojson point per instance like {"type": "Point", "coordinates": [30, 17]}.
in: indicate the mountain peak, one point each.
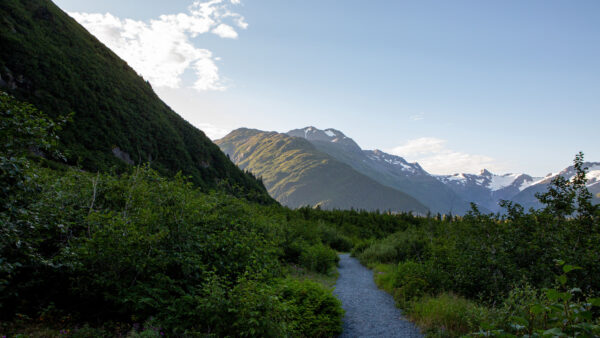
{"type": "Point", "coordinates": [485, 172]}
{"type": "Point", "coordinates": [327, 135]}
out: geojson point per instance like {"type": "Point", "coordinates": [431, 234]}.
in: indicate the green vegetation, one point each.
{"type": "Point", "coordinates": [49, 60]}
{"type": "Point", "coordinates": [100, 254]}
{"type": "Point", "coordinates": [499, 275]}
{"type": "Point", "coordinates": [140, 254]}
{"type": "Point", "coordinates": [296, 174]}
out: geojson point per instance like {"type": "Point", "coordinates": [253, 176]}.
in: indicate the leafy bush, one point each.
{"type": "Point", "coordinates": [335, 239]}
{"type": "Point", "coordinates": [319, 258]}
{"type": "Point", "coordinates": [448, 315]}
{"type": "Point", "coordinates": [556, 312]}
{"type": "Point", "coordinates": [400, 246]}
{"type": "Point", "coordinates": [410, 281]}
{"type": "Point", "coordinates": [315, 311]}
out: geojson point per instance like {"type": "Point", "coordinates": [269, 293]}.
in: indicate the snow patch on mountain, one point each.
{"type": "Point", "coordinates": [497, 182]}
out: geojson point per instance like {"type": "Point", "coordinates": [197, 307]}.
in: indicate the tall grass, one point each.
{"type": "Point", "coordinates": [448, 315]}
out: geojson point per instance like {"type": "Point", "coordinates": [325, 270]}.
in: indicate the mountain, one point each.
{"type": "Point", "coordinates": [49, 60]}
{"type": "Point", "coordinates": [389, 170]}
{"type": "Point", "coordinates": [297, 174]}
{"type": "Point", "coordinates": [487, 189]}
{"type": "Point", "coordinates": [526, 197]}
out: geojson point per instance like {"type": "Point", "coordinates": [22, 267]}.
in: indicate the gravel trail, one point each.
{"type": "Point", "coordinates": [370, 312]}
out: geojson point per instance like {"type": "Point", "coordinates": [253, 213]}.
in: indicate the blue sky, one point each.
{"type": "Point", "coordinates": [513, 86]}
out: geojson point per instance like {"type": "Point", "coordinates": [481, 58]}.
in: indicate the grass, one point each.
{"type": "Point", "coordinates": [328, 280]}
{"type": "Point", "coordinates": [447, 315]}
{"type": "Point", "coordinates": [443, 315]}
{"type": "Point", "coordinates": [384, 276]}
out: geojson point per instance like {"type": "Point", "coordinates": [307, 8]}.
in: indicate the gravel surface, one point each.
{"type": "Point", "coordinates": [370, 312]}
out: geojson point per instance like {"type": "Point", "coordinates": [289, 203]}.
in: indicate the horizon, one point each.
{"type": "Point", "coordinates": [457, 88]}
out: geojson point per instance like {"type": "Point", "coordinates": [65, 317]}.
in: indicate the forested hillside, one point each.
{"type": "Point", "coordinates": [101, 255]}
{"type": "Point", "coordinates": [88, 255]}
{"type": "Point", "coordinates": [49, 60]}
{"type": "Point", "coordinates": [297, 174]}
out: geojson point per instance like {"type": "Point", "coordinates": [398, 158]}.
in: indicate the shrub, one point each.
{"type": "Point", "coordinates": [314, 311]}
{"type": "Point", "coordinates": [319, 258]}
{"type": "Point", "coordinates": [400, 246]}
{"type": "Point", "coordinates": [333, 238]}
{"type": "Point", "coordinates": [448, 314]}
{"type": "Point", "coordinates": [410, 281]}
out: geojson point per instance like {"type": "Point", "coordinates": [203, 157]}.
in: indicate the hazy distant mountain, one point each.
{"type": "Point", "coordinates": [487, 189]}
{"type": "Point", "coordinates": [389, 170]}
{"type": "Point", "coordinates": [526, 197]}
{"type": "Point", "coordinates": [296, 173]}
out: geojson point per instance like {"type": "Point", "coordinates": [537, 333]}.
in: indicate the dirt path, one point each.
{"type": "Point", "coordinates": [370, 312]}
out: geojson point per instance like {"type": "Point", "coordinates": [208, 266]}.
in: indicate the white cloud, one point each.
{"type": "Point", "coordinates": [435, 157]}
{"type": "Point", "coordinates": [418, 117]}
{"type": "Point", "coordinates": [225, 31]}
{"type": "Point", "coordinates": [213, 132]}
{"type": "Point", "coordinates": [161, 49]}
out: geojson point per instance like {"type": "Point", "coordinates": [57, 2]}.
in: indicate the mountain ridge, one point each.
{"type": "Point", "coordinates": [297, 174]}
{"type": "Point", "coordinates": [389, 170]}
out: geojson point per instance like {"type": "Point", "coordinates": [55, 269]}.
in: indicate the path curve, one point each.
{"type": "Point", "coordinates": [370, 312]}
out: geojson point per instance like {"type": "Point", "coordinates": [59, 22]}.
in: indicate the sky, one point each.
{"type": "Point", "coordinates": [511, 86]}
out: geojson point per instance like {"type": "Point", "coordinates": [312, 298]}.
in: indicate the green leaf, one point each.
{"type": "Point", "coordinates": [568, 268]}
{"type": "Point", "coordinates": [520, 321]}
{"type": "Point", "coordinates": [594, 301]}
{"type": "Point", "coordinates": [554, 332]}
{"type": "Point", "coordinates": [537, 309]}
{"type": "Point", "coordinates": [562, 279]}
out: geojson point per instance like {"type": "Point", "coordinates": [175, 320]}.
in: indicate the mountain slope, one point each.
{"type": "Point", "coordinates": [297, 174]}
{"type": "Point", "coordinates": [527, 198]}
{"type": "Point", "coordinates": [486, 188]}
{"type": "Point", "coordinates": [49, 60]}
{"type": "Point", "coordinates": [389, 170]}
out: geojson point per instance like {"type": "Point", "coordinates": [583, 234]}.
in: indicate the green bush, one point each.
{"type": "Point", "coordinates": [448, 315]}
{"type": "Point", "coordinates": [319, 258]}
{"type": "Point", "coordinates": [315, 312]}
{"type": "Point", "coordinates": [400, 246]}
{"type": "Point", "coordinates": [410, 281]}
{"type": "Point", "coordinates": [334, 239]}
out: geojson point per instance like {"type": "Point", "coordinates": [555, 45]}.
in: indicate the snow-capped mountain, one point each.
{"type": "Point", "coordinates": [527, 196]}
{"type": "Point", "coordinates": [487, 189]}
{"type": "Point", "coordinates": [593, 174]}
{"type": "Point", "coordinates": [395, 162]}
{"type": "Point", "coordinates": [390, 170]}
{"type": "Point", "coordinates": [440, 193]}
{"type": "Point", "coordinates": [329, 135]}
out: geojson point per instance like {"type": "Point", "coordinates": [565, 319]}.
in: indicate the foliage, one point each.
{"type": "Point", "coordinates": [316, 312]}
{"type": "Point", "coordinates": [448, 315]}
{"type": "Point", "coordinates": [482, 257]}
{"type": "Point", "coordinates": [77, 247]}
{"type": "Point", "coordinates": [319, 258]}
{"type": "Point", "coordinates": [556, 312]}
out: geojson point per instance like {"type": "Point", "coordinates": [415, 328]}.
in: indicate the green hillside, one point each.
{"type": "Point", "coordinates": [49, 60]}
{"type": "Point", "coordinates": [296, 174]}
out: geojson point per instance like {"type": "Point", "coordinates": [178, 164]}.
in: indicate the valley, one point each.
{"type": "Point", "coordinates": [119, 217]}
